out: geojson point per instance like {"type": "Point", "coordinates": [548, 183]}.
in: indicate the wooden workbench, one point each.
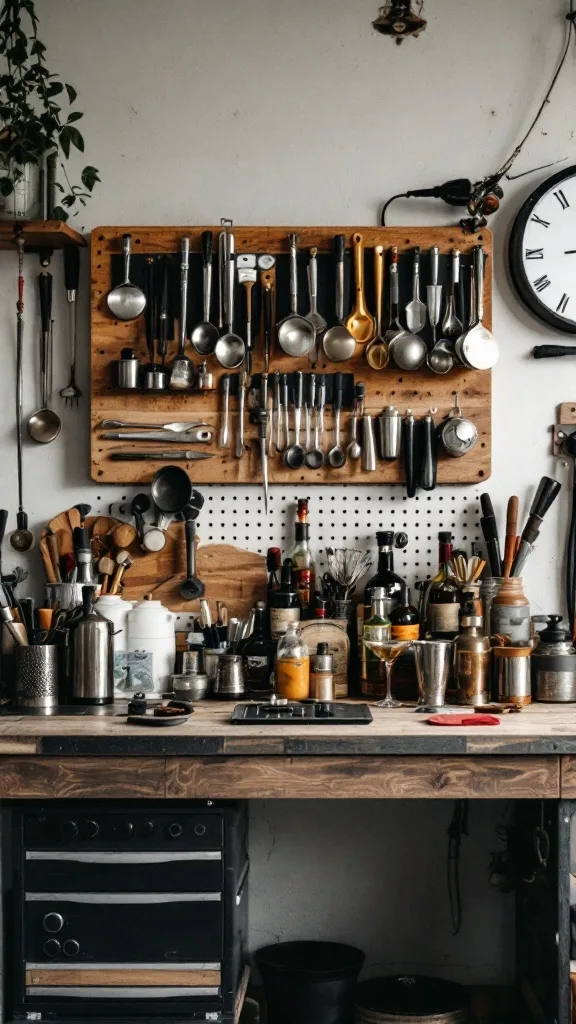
{"type": "Point", "coordinates": [530, 755]}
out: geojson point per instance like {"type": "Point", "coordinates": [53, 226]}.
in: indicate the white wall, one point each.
{"type": "Point", "coordinates": [290, 111]}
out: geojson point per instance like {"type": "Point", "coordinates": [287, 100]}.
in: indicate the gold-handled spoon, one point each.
{"type": "Point", "coordinates": [360, 323]}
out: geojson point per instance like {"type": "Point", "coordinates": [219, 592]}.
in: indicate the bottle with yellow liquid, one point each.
{"type": "Point", "coordinates": [293, 665]}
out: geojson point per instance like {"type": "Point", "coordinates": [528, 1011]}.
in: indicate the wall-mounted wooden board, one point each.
{"type": "Point", "coordinates": [419, 390]}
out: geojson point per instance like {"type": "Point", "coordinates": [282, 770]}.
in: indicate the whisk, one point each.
{"type": "Point", "coordinates": [347, 565]}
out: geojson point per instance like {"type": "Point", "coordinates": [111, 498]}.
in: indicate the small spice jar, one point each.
{"type": "Point", "coordinates": [510, 613]}
{"type": "Point", "coordinates": [322, 674]}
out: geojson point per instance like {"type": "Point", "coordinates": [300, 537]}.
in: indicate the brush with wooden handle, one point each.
{"type": "Point", "coordinates": [511, 532]}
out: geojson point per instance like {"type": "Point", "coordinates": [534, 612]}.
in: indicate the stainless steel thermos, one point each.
{"type": "Point", "coordinates": [93, 656]}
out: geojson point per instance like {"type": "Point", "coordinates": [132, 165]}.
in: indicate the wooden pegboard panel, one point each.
{"type": "Point", "coordinates": [419, 390]}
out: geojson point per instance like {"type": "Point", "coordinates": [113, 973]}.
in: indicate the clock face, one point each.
{"type": "Point", "coordinates": [542, 252]}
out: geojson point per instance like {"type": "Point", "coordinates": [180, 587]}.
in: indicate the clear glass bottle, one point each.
{"type": "Point", "coordinates": [376, 627]}
{"type": "Point", "coordinates": [293, 665]}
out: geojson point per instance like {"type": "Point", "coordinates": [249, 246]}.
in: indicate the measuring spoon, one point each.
{"type": "Point", "coordinates": [338, 343]}
{"type": "Point", "coordinates": [314, 458]}
{"type": "Point", "coordinates": [126, 301]}
{"type": "Point", "coordinates": [171, 491]}
{"type": "Point", "coordinates": [296, 335]}
{"type": "Point", "coordinates": [377, 352]}
{"type": "Point", "coordinates": [336, 456]}
{"type": "Point", "coordinates": [294, 454]}
{"type": "Point", "coordinates": [205, 335]}
{"type": "Point", "coordinates": [360, 323]}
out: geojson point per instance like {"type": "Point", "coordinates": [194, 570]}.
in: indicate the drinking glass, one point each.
{"type": "Point", "coordinates": [388, 651]}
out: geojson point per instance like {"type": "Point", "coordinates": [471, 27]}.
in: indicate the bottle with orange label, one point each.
{"type": "Point", "coordinates": [404, 618]}
{"type": "Point", "coordinates": [293, 665]}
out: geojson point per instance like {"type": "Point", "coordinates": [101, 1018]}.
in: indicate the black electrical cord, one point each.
{"type": "Point", "coordinates": [571, 559]}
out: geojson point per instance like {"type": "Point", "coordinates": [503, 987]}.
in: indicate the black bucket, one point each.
{"type": "Point", "coordinates": [309, 982]}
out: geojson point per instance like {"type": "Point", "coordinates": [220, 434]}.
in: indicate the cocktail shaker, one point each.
{"type": "Point", "coordinates": [389, 433]}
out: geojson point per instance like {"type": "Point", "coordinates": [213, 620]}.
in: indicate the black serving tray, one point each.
{"type": "Point", "coordinates": [306, 713]}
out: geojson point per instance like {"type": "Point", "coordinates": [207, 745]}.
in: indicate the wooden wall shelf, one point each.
{"type": "Point", "coordinates": [419, 390]}
{"type": "Point", "coordinates": [39, 234]}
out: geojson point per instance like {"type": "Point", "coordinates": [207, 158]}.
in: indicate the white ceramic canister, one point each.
{"type": "Point", "coordinates": [151, 629]}
{"type": "Point", "coordinates": [116, 609]}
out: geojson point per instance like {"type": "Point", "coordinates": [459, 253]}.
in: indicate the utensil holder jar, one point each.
{"type": "Point", "coordinates": [37, 676]}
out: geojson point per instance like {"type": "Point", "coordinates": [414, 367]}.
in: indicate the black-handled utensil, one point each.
{"type": "Point", "coordinates": [163, 313]}
{"type": "Point", "coordinates": [490, 532]}
{"type": "Point", "coordinates": [150, 308]}
{"type": "Point", "coordinates": [336, 455]}
{"type": "Point", "coordinates": [191, 588]}
{"type": "Point", "coordinates": [546, 494]}
{"type": "Point", "coordinates": [428, 458]}
{"type": "Point", "coordinates": [409, 444]}
{"type": "Point", "coordinates": [553, 351]}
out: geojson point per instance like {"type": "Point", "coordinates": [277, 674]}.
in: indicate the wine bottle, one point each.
{"type": "Point", "coordinates": [273, 563]}
{"type": "Point", "coordinates": [258, 653]}
{"type": "Point", "coordinates": [443, 599]}
{"type": "Point", "coordinates": [385, 576]}
{"type": "Point", "coordinates": [301, 555]}
{"type": "Point", "coordinates": [283, 604]}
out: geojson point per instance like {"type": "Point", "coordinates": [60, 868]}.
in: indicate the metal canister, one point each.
{"type": "Point", "coordinates": [322, 674]}
{"type": "Point", "coordinates": [230, 679]}
{"type": "Point", "coordinates": [554, 665]}
{"type": "Point", "coordinates": [389, 433]}
{"type": "Point", "coordinates": [205, 378]}
{"type": "Point", "coordinates": [513, 674]}
{"type": "Point", "coordinates": [93, 656]}
{"type": "Point", "coordinates": [472, 662]}
{"type": "Point", "coordinates": [154, 379]}
{"type": "Point", "coordinates": [37, 676]}
{"type": "Point", "coordinates": [128, 369]}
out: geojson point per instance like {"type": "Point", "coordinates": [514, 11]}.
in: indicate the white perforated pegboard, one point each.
{"type": "Point", "coordinates": [344, 514]}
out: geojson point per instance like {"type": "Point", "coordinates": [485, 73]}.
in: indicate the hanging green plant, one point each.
{"type": "Point", "coordinates": [32, 123]}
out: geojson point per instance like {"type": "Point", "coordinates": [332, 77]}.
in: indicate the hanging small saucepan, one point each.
{"type": "Point", "coordinates": [456, 434]}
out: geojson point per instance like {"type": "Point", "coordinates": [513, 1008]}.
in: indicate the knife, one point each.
{"type": "Point", "coordinates": [189, 456]}
{"type": "Point", "coordinates": [489, 528]}
{"type": "Point", "coordinates": [546, 494]}
{"type": "Point", "coordinates": [190, 436]}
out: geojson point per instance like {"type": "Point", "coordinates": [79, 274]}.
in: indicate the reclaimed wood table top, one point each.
{"type": "Point", "coordinates": [538, 729]}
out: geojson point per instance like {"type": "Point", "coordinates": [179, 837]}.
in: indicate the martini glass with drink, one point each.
{"type": "Point", "coordinates": [387, 651]}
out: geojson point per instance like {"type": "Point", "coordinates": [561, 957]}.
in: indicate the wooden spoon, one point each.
{"type": "Point", "coordinates": [360, 323]}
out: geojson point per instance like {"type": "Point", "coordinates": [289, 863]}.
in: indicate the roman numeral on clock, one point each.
{"type": "Point", "coordinates": [561, 307]}
{"type": "Point", "coordinates": [541, 283]}
{"type": "Point", "coordinates": [562, 199]}
{"type": "Point", "coordinates": [538, 220]}
{"type": "Point", "coordinates": [534, 254]}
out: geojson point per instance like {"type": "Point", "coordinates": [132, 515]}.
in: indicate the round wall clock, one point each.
{"type": "Point", "coordinates": [542, 252]}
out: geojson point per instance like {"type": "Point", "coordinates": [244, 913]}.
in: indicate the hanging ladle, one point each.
{"type": "Point", "coordinates": [171, 491]}
{"type": "Point", "coordinates": [45, 425]}
{"type": "Point", "coordinates": [296, 334]}
{"type": "Point", "coordinates": [294, 454]}
{"type": "Point", "coordinates": [126, 301]}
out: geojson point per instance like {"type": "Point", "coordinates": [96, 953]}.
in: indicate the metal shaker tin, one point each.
{"type": "Point", "coordinates": [389, 433]}
{"type": "Point", "coordinates": [513, 674]}
{"type": "Point", "coordinates": [128, 369]}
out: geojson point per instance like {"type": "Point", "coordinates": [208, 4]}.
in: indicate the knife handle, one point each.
{"type": "Point", "coordinates": [511, 531]}
{"type": "Point", "coordinates": [45, 289]}
{"type": "Point", "coordinates": [71, 268]}
{"type": "Point", "coordinates": [409, 430]}
{"type": "Point", "coordinates": [429, 462]}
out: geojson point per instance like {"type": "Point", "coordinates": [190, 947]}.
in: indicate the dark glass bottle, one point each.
{"type": "Point", "coordinates": [273, 563]}
{"type": "Point", "coordinates": [301, 555]}
{"type": "Point", "coordinates": [443, 603]}
{"type": "Point", "coordinates": [283, 604]}
{"type": "Point", "coordinates": [258, 653]}
{"type": "Point", "coordinates": [404, 618]}
{"type": "Point", "coordinates": [385, 576]}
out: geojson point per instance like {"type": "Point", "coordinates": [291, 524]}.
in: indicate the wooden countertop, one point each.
{"type": "Point", "coordinates": [538, 729]}
{"type": "Point", "coordinates": [398, 756]}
